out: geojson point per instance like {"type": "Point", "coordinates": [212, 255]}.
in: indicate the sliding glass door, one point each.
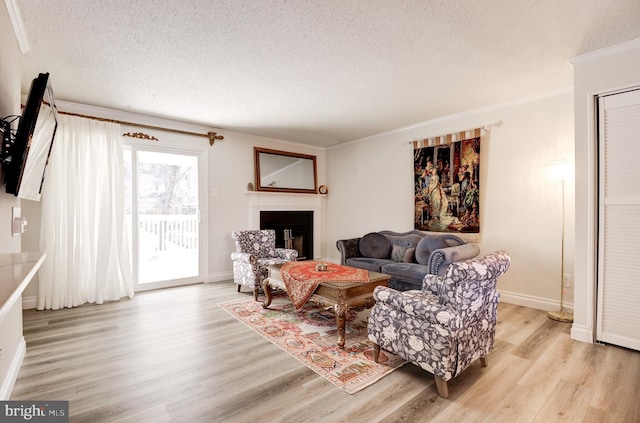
{"type": "Point", "coordinates": [164, 193]}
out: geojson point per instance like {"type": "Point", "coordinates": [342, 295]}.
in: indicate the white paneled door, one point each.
{"type": "Point", "coordinates": [618, 314]}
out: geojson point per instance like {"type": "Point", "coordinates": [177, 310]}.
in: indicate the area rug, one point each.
{"type": "Point", "coordinates": [309, 335]}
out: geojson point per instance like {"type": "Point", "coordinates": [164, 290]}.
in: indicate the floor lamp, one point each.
{"type": "Point", "coordinates": [558, 171]}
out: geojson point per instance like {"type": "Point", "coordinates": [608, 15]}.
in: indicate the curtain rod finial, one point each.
{"type": "Point", "coordinates": [213, 136]}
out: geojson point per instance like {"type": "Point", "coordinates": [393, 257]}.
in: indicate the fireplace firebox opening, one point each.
{"type": "Point", "coordinates": [294, 229]}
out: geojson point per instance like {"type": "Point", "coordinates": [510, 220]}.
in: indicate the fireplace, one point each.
{"type": "Point", "coordinates": [294, 229]}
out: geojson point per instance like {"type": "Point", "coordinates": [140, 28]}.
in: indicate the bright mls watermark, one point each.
{"type": "Point", "coordinates": [34, 411]}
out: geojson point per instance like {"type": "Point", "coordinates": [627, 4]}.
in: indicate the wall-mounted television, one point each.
{"type": "Point", "coordinates": [26, 154]}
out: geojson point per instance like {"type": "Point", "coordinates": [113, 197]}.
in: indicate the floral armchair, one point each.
{"type": "Point", "coordinates": [255, 251]}
{"type": "Point", "coordinates": [447, 325]}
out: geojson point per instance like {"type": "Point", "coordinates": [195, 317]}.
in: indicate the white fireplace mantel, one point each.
{"type": "Point", "coordinates": [276, 201]}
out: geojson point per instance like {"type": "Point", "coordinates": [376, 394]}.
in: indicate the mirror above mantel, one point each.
{"type": "Point", "coordinates": [283, 171]}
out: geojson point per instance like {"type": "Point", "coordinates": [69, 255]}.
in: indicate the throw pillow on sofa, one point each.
{"type": "Point", "coordinates": [374, 245]}
{"type": "Point", "coordinates": [427, 245]}
{"type": "Point", "coordinates": [398, 252]}
{"type": "Point", "coordinates": [402, 254]}
{"type": "Point", "coordinates": [409, 255]}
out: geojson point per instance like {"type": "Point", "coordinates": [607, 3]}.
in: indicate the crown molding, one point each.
{"type": "Point", "coordinates": [606, 52]}
{"type": "Point", "coordinates": [18, 25]}
{"type": "Point", "coordinates": [461, 115]}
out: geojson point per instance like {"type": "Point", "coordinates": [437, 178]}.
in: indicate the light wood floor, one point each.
{"type": "Point", "coordinates": [174, 355]}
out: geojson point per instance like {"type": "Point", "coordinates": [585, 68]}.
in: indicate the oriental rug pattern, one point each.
{"type": "Point", "coordinates": [309, 335]}
{"type": "Point", "coordinates": [301, 278]}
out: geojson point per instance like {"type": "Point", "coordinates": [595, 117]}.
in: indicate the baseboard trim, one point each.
{"type": "Point", "coordinates": [12, 375]}
{"type": "Point", "coordinates": [582, 333]}
{"type": "Point", "coordinates": [219, 277]}
{"type": "Point", "coordinates": [29, 302]}
{"type": "Point", "coordinates": [538, 303]}
{"type": "Point", "coordinates": [578, 332]}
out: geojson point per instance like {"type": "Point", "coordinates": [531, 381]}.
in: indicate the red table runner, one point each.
{"type": "Point", "coordinates": [301, 278]}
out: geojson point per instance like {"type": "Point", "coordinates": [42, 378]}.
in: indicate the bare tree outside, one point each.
{"type": "Point", "coordinates": [168, 189]}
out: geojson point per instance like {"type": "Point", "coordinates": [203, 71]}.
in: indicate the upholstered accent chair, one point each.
{"type": "Point", "coordinates": [447, 325]}
{"type": "Point", "coordinates": [255, 251]}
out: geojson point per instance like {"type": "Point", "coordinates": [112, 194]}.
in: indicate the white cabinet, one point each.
{"type": "Point", "coordinates": [16, 271]}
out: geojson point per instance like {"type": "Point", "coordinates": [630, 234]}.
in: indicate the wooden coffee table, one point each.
{"type": "Point", "coordinates": [341, 296]}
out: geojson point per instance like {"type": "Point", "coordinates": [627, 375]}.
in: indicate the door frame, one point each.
{"type": "Point", "coordinates": [186, 148]}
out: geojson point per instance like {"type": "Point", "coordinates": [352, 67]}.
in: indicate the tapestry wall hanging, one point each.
{"type": "Point", "coordinates": [447, 185]}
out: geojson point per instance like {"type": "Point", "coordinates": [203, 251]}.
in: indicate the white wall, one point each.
{"type": "Point", "coordinates": [371, 188]}
{"type": "Point", "coordinates": [9, 105]}
{"type": "Point", "coordinates": [231, 168]}
{"type": "Point", "coordinates": [12, 344]}
{"type": "Point", "coordinates": [595, 73]}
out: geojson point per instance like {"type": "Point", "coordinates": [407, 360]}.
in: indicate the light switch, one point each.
{"type": "Point", "coordinates": [19, 223]}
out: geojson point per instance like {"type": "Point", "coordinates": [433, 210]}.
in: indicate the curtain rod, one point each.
{"type": "Point", "coordinates": [213, 136]}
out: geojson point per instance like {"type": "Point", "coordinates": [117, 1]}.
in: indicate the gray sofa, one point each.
{"type": "Point", "coordinates": [407, 257]}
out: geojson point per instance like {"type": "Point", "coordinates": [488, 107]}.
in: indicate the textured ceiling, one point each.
{"type": "Point", "coordinates": [317, 72]}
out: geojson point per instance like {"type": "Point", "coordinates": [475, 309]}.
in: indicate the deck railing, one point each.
{"type": "Point", "coordinates": [171, 230]}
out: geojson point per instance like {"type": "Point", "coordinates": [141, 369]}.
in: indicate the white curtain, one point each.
{"type": "Point", "coordinates": [84, 231]}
